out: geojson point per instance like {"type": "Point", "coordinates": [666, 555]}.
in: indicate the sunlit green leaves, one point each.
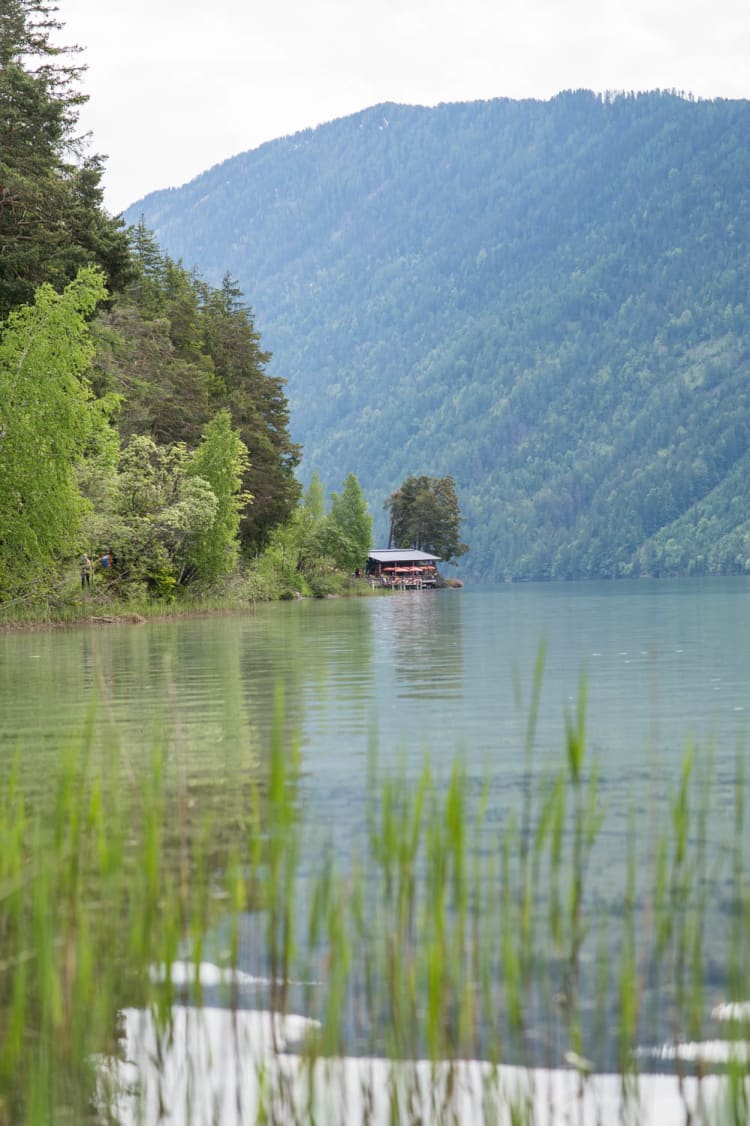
{"type": "Point", "coordinates": [222, 461]}
{"type": "Point", "coordinates": [350, 514]}
{"type": "Point", "coordinates": [47, 419]}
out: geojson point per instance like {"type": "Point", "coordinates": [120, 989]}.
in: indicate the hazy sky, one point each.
{"type": "Point", "coordinates": [177, 86]}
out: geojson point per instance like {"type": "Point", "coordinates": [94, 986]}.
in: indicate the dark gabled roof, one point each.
{"type": "Point", "coordinates": [405, 554]}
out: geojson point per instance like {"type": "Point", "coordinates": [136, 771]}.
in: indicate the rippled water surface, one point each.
{"type": "Point", "coordinates": [431, 670]}
{"type": "Point", "coordinates": [438, 674]}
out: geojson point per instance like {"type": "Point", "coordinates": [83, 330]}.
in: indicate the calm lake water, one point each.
{"type": "Point", "coordinates": [416, 675]}
{"type": "Point", "coordinates": [664, 662]}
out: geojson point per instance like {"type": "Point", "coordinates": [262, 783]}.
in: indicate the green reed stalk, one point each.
{"type": "Point", "coordinates": [440, 941]}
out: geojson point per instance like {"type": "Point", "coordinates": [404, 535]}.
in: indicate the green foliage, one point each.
{"type": "Point", "coordinates": [281, 566]}
{"type": "Point", "coordinates": [547, 300]}
{"type": "Point", "coordinates": [259, 409]}
{"type": "Point", "coordinates": [314, 500]}
{"type": "Point", "coordinates": [179, 378]}
{"type": "Point", "coordinates": [52, 221]}
{"type": "Point", "coordinates": [47, 422]}
{"type": "Point", "coordinates": [221, 461]}
{"type": "Point", "coordinates": [425, 515]}
{"type": "Point", "coordinates": [316, 552]}
{"type": "Point", "coordinates": [176, 352]}
{"type": "Point", "coordinates": [350, 516]}
{"type": "Point", "coordinates": [161, 515]}
{"type": "Point", "coordinates": [170, 515]}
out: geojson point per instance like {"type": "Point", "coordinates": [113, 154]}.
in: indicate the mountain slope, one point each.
{"type": "Point", "coordinates": [547, 300]}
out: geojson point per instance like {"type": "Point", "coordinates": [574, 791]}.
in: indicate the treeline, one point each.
{"type": "Point", "coordinates": [138, 420]}
{"type": "Point", "coordinates": [174, 352]}
{"type": "Point", "coordinates": [549, 301]}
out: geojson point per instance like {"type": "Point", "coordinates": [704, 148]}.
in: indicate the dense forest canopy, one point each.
{"type": "Point", "coordinates": [547, 301]}
{"type": "Point", "coordinates": [137, 415]}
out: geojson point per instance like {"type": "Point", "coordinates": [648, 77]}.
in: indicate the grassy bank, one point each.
{"type": "Point", "coordinates": [68, 605]}
{"type": "Point", "coordinates": [446, 933]}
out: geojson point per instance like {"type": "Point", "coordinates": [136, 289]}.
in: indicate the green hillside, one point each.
{"type": "Point", "coordinates": [546, 300]}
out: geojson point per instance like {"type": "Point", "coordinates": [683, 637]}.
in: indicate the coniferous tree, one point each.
{"type": "Point", "coordinates": [259, 410]}
{"type": "Point", "coordinates": [52, 221]}
{"type": "Point", "coordinates": [176, 351]}
{"type": "Point", "coordinates": [146, 289]}
{"type": "Point", "coordinates": [179, 357]}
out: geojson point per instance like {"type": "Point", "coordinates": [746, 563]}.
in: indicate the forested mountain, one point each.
{"type": "Point", "coordinates": [546, 300]}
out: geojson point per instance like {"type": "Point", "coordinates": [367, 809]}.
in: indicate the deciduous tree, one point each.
{"type": "Point", "coordinates": [222, 461]}
{"type": "Point", "coordinates": [47, 417]}
{"type": "Point", "coordinates": [350, 515]}
{"type": "Point", "coordinates": [160, 513]}
{"type": "Point", "coordinates": [314, 500]}
{"type": "Point", "coordinates": [425, 515]}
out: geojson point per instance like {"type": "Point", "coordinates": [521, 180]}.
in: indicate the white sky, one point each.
{"type": "Point", "coordinates": [177, 86]}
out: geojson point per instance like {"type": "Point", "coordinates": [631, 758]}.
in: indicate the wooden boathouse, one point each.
{"type": "Point", "coordinates": [402, 568]}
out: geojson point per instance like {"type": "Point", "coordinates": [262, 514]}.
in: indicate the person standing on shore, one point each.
{"type": "Point", "coordinates": [87, 570]}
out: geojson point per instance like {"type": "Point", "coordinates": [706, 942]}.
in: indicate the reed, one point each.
{"type": "Point", "coordinates": [447, 934]}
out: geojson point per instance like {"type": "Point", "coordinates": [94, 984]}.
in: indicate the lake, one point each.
{"type": "Point", "coordinates": [424, 672]}
{"type": "Point", "coordinates": [421, 676]}
{"type": "Point", "coordinates": [664, 661]}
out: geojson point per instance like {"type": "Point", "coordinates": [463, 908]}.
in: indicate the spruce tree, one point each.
{"type": "Point", "coordinates": [259, 409]}
{"type": "Point", "coordinates": [52, 219]}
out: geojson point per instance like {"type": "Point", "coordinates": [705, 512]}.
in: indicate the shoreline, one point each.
{"type": "Point", "coordinates": [130, 617]}
{"type": "Point", "coordinates": [113, 613]}
{"type": "Point", "coordinates": [110, 614]}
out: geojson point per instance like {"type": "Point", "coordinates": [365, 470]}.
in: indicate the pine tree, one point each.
{"type": "Point", "coordinates": [146, 289]}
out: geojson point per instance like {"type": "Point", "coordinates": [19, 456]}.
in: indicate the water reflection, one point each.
{"type": "Point", "coordinates": [427, 641]}
{"type": "Point", "coordinates": [422, 670]}
{"type": "Point", "coordinates": [430, 674]}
